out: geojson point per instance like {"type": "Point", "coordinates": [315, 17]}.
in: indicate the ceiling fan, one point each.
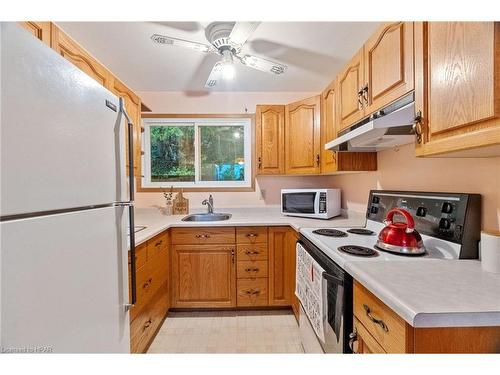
{"type": "Point", "coordinates": [226, 39]}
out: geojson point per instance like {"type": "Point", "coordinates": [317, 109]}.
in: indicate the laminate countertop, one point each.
{"type": "Point", "coordinates": [155, 222]}
{"type": "Point", "coordinates": [425, 293]}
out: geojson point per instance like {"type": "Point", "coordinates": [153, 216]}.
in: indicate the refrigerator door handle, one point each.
{"type": "Point", "coordinates": [130, 204]}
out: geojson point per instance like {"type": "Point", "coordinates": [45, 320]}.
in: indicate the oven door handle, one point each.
{"type": "Point", "coordinates": [333, 279]}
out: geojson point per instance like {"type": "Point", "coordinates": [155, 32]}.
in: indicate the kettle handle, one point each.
{"type": "Point", "coordinates": [410, 223]}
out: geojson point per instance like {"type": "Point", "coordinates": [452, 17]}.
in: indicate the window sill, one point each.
{"type": "Point", "coordinates": [201, 189]}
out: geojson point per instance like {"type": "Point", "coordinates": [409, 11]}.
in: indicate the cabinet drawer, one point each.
{"type": "Point", "coordinates": [366, 343]}
{"type": "Point", "coordinates": [251, 269]}
{"type": "Point", "coordinates": [141, 255]}
{"type": "Point", "coordinates": [252, 292]}
{"type": "Point", "coordinates": [158, 245]}
{"type": "Point", "coordinates": [251, 235]}
{"type": "Point", "coordinates": [202, 236]}
{"type": "Point", "coordinates": [368, 309]}
{"type": "Point", "coordinates": [252, 252]}
{"type": "Point", "coordinates": [143, 328]}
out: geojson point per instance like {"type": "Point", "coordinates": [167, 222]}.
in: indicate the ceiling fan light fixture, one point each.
{"type": "Point", "coordinates": [227, 65]}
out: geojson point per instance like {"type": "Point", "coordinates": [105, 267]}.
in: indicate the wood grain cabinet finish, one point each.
{"type": "Point", "coordinates": [74, 53]}
{"type": "Point", "coordinates": [203, 236]}
{"type": "Point", "coordinates": [269, 139]}
{"type": "Point", "coordinates": [332, 162]}
{"type": "Point", "coordinates": [388, 65]}
{"type": "Point", "coordinates": [251, 235]}
{"type": "Point", "coordinates": [204, 276]}
{"type": "Point", "coordinates": [457, 69]}
{"type": "Point", "coordinates": [350, 84]}
{"type": "Point", "coordinates": [302, 137]}
{"type": "Point", "coordinates": [40, 30]}
{"type": "Point", "coordinates": [252, 292]}
{"type": "Point", "coordinates": [381, 330]}
{"type": "Point", "coordinates": [281, 266]}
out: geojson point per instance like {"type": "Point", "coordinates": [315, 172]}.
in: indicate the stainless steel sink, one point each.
{"type": "Point", "coordinates": [207, 217]}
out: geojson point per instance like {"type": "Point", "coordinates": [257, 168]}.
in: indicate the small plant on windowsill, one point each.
{"type": "Point", "coordinates": [167, 210]}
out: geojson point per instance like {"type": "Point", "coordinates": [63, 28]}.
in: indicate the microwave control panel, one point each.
{"type": "Point", "coordinates": [322, 203]}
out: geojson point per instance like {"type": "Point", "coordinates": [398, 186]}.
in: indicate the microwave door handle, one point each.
{"type": "Point", "coordinates": [333, 279]}
{"type": "Point", "coordinates": [316, 202]}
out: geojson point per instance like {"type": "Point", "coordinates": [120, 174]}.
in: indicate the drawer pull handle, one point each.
{"type": "Point", "coordinates": [252, 292]}
{"type": "Point", "coordinates": [380, 322]}
{"type": "Point", "coordinates": [147, 283]}
{"type": "Point", "coordinates": [158, 243]}
{"type": "Point", "coordinates": [148, 323]}
{"type": "Point", "coordinates": [252, 269]}
{"type": "Point", "coordinates": [248, 252]}
{"type": "Point", "coordinates": [202, 236]}
{"type": "Point", "coordinates": [353, 337]}
{"type": "Point", "coordinates": [252, 235]}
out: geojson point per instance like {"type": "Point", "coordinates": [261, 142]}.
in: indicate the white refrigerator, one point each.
{"type": "Point", "coordinates": [65, 205]}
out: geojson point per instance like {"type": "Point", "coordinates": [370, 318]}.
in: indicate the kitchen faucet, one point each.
{"type": "Point", "coordinates": [209, 203]}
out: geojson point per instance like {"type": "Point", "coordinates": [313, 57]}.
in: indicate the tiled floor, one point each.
{"type": "Point", "coordinates": [269, 331]}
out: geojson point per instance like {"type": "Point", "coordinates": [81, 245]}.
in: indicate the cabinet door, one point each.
{"type": "Point", "coordinates": [302, 136]}
{"type": "Point", "coordinates": [73, 52]}
{"type": "Point", "coordinates": [270, 129]}
{"type": "Point", "coordinates": [203, 276]}
{"type": "Point", "coordinates": [457, 65]}
{"type": "Point", "coordinates": [365, 343]}
{"type": "Point", "coordinates": [281, 266]}
{"type": "Point", "coordinates": [350, 83]}
{"type": "Point", "coordinates": [388, 64]}
{"type": "Point", "coordinates": [329, 121]}
{"type": "Point", "coordinates": [133, 107]}
{"type": "Point", "coordinates": [40, 30]}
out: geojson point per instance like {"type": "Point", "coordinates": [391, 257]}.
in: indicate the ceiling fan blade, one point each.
{"type": "Point", "coordinates": [242, 31]}
{"type": "Point", "coordinates": [214, 76]}
{"type": "Point", "coordinates": [168, 40]}
{"type": "Point", "coordinates": [263, 64]}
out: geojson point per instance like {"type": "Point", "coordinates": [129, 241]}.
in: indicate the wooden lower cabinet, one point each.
{"type": "Point", "coordinates": [281, 266]}
{"type": "Point", "coordinates": [380, 330]}
{"type": "Point", "coordinates": [252, 292]}
{"type": "Point", "coordinates": [153, 296]}
{"type": "Point", "coordinates": [204, 276]}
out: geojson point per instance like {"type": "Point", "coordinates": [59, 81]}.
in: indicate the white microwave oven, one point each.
{"type": "Point", "coordinates": [313, 203]}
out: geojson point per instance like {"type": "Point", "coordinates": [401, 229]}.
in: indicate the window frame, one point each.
{"type": "Point", "coordinates": [247, 121]}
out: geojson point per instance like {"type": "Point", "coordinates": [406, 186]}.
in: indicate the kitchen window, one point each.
{"type": "Point", "coordinates": [197, 153]}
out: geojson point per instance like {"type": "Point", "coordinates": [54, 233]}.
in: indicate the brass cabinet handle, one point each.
{"type": "Point", "coordinates": [232, 256]}
{"type": "Point", "coordinates": [360, 99]}
{"type": "Point", "coordinates": [252, 292]}
{"type": "Point", "coordinates": [256, 269]}
{"type": "Point", "coordinates": [417, 126]}
{"type": "Point", "coordinates": [353, 337]}
{"type": "Point", "coordinates": [202, 236]}
{"type": "Point", "coordinates": [252, 235]}
{"type": "Point", "coordinates": [317, 160]}
{"type": "Point", "coordinates": [380, 322]}
{"type": "Point", "coordinates": [147, 324]}
{"type": "Point", "coordinates": [147, 283]}
{"type": "Point", "coordinates": [364, 94]}
{"type": "Point", "coordinates": [259, 165]}
{"type": "Point", "coordinates": [248, 252]}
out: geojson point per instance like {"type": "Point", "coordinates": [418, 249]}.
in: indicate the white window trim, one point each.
{"type": "Point", "coordinates": [146, 146]}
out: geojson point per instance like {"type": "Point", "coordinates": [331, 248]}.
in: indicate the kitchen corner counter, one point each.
{"type": "Point", "coordinates": [434, 293]}
{"type": "Point", "coordinates": [155, 222]}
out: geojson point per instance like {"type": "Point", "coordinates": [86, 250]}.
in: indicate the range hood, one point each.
{"type": "Point", "coordinates": [390, 127]}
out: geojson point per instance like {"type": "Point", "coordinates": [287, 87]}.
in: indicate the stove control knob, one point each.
{"type": "Point", "coordinates": [447, 208]}
{"type": "Point", "coordinates": [421, 211]}
{"type": "Point", "coordinates": [444, 224]}
{"type": "Point", "coordinates": [375, 199]}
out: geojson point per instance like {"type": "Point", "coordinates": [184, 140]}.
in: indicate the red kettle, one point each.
{"type": "Point", "coordinates": [399, 237]}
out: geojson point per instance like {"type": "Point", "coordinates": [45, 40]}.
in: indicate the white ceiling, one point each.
{"type": "Point", "coordinates": [313, 51]}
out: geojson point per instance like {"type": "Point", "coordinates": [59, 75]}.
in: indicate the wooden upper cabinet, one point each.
{"type": "Point", "coordinates": [74, 53]}
{"type": "Point", "coordinates": [350, 83]}
{"type": "Point", "coordinates": [302, 136]}
{"type": "Point", "coordinates": [40, 30]}
{"type": "Point", "coordinates": [329, 120]}
{"type": "Point", "coordinates": [457, 87]}
{"type": "Point", "coordinates": [133, 108]}
{"type": "Point", "coordinates": [269, 142]}
{"type": "Point", "coordinates": [388, 65]}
